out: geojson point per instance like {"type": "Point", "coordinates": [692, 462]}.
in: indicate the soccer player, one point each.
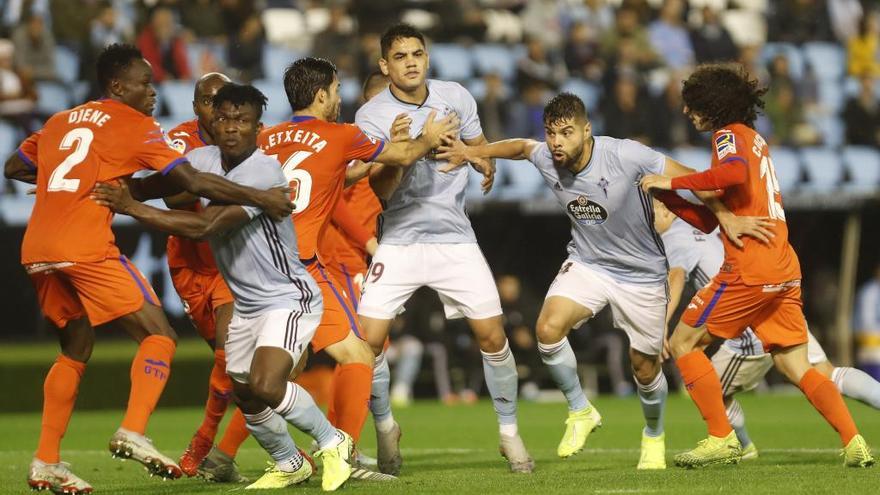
{"type": "Point", "coordinates": [427, 240]}
{"type": "Point", "coordinates": [758, 286]}
{"type": "Point", "coordinates": [81, 279]}
{"type": "Point", "coordinates": [277, 304]}
{"type": "Point", "coordinates": [208, 303]}
{"type": "Point", "coordinates": [315, 151]}
{"type": "Point", "coordinates": [615, 258]}
{"type": "Point", "coordinates": [741, 362]}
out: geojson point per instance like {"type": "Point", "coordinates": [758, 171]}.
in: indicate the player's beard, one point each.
{"type": "Point", "coordinates": [570, 160]}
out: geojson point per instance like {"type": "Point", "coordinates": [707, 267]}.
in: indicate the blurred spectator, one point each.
{"type": "Point", "coordinates": [17, 96]}
{"type": "Point", "coordinates": [527, 112]}
{"type": "Point", "coordinates": [670, 38]}
{"type": "Point", "coordinates": [862, 49]}
{"type": "Point", "coordinates": [35, 50]}
{"type": "Point", "coordinates": [405, 353]}
{"type": "Point", "coordinates": [203, 18]}
{"type": "Point", "coordinates": [520, 312]}
{"type": "Point", "coordinates": [14, 13]}
{"type": "Point", "coordinates": [368, 54]}
{"type": "Point", "coordinates": [628, 29]}
{"type": "Point", "coordinates": [582, 52]}
{"type": "Point", "coordinates": [861, 115]}
{"type": "Point", "coordinates": [493, 108]}
{"type": "Point", "coordinates": [711, 41]}
{"type": "Point", "coordinates": [236, 12]}
{"type": "Point", "coordinates": [106, 28]}
{"type": "Point", "coordinates": [798, 21]}
{"type": "Point", "coordinates": [786, 116]}
{"type": "Point", "coordinates": [540, 65]}
{"type": "Point", "coordinates": [628, 62]}
{"type": "Point", "coordinates": [750, 59]}
{"type": "Point", "coordinates": [671, 127]}
{"type": "Point", "coordinates": [460, 21]}
{"type": "Point", "coordinates": [845, 16]}
{"type": "Point", "coordinates": [867, 324]}
{"type": "Point", "coordinates": [627, 114]}
{"type": "Point", "coordinates": [540, 21]}
{"type": "Point", "coordinates": [163, 46]}
{"type": "Point", "coordinates": [245, 51]}
{"type": "Point", "coordinates": [76, 17]}
{"type": "Point", "coordinates": [597, 15]}
{"type": "Point", "coordinates": [338, 42]}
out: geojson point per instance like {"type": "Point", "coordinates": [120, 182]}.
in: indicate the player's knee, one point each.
{"type": "Point", "coordinates": [266, 389]}
{"type": "Point", "coordinates": [79, 349]}
{"type": "Point", "coordinates": [492, 342]}
{"type": "Point", "coordinates": [645, 371]}
{"type": "Point", "coordinates": [680, 344]}
{"type": "Point", "coordinates": [549, 331]}
{"type": "Point", "coordinates": [358, 351]}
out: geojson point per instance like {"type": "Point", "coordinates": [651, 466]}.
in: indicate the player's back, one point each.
{"type": "Point", "coordinates": [699, 254]}
{"type": "Point", "coordinates": [95, 142]}
{"type": "Point", "coordinates": [756, 263]}
{"type": "Point", "coordinates": [429, 205]}
{"type": "Point", "coordinates": [314, 155]}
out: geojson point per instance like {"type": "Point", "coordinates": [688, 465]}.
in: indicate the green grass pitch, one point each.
{"type": "Point", "coordinates": [454, 450]}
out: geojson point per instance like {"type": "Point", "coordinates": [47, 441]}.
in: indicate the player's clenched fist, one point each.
{"type": "Point", "coordinates": [276, 203]}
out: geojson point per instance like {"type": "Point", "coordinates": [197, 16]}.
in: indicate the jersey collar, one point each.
{"type": "Point", "coordinates": [301, 118]}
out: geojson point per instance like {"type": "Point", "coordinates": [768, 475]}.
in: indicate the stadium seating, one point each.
{"type": "Point", "coordinates": [451, 62]}
{"type": "Point", "coordinates": [522, 181]}
{"type": "Point", "coordinates": [8, 139]}
{"type": "Point", "coordinates": [283, 26]}
{"type": "Point", "coordinates": [824, 169]}
{"type": "Point", "coordinates": [826, 59]}
{"type": "Point", "coordinates": [863, 167]}
{"type": "Point", "coordinates": [788, 168]}
{"type": "Point", "coordinates": [276, 59]}
{"type": "Point", "coordinates": [52, 97]}
{"type": "Point", "coordinates": [494, 58]}
{"type": "Point", "coordinates": [204, 57]}
{"type": "Point", "coordinates": [796, 63]}
{"type": "Point", "coordinates": [177, 98]}
{"type": "Point", "coordinates": [350, 89]}
{"type": "Point", "coordinates": [586, 91]}
{"type": "Point", "coordinates": [66, 64]}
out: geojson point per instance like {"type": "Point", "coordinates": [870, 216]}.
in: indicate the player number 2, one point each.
{"type": "Point", "coordinates": [300, 180]}
{"type": "Point", "coordinates": [80, 139]}
{"type": "Point", "coordinates": [768, 173]}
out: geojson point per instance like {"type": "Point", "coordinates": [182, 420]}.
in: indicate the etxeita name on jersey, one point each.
{"type": "Point", "coordinates": [587, 212]}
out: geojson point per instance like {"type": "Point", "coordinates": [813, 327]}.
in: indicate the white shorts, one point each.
{"type": "Point", "coordinates": [815, 353]}
{"type": "Point", "coordinates": [458, 272]}
{"type": "Point", "coordinates": [638, 310]}
{"type": "Point", "coordinates": [282, 328]}
{"type": "Point", "coordinates": [740, 372]}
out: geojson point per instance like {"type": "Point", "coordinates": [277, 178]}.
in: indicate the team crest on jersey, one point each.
{"type": "Point", "coordinates": [587, 212]}
{"type": "Point", "coordinates": [725, 144]}
{"type": "Point", "coordinates": [177, 145]}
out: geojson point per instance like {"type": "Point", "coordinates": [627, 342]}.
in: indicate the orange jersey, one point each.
{"type": "Point", "coordinates": [98, 141]}
{"type": "Point", "coordinates": [187, 253]}
{"type": "Point", "coordinates": [366, 207]}
{"type": "Point", "coordinates": [755, 263]}
{"type": "Point", "coordinates": [314, 155]}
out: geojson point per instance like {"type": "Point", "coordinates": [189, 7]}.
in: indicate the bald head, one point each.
{"type": "Point", "coordinates": [203, 100]}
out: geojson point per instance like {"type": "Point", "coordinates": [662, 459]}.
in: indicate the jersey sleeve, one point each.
{"type": "Point", "coordinates": [728, 147]}
{"type": "Point", "coordinates": [369, 124]}
{"type": "Point", "coordinates": [360, 145]}
{"type": "Point", "coordinates": [470, 120]}
{"type": "Point", "coordinates": [27, 151]}
{"type": "Point", "coordinates": [540, 155]}
{"type": "Point", "coordinates": [646, 160]}
{"type": "Point", "coordinates": [153, 151]}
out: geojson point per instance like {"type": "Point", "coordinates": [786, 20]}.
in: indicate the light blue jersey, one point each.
{"type": "Point", "coordinates": [429, 205]}
{"type": "Point", "coordinates": [612, 220]}
{"type": "Point", "coordinates": [259, 260]}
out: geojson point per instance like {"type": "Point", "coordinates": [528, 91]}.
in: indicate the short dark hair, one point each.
{"type": "Point", "coordinates": [564, 106]}
{"type": "Point", "coordinates": [113, 60]}
{"type": "Point", "coordinates": [723, 94]}
{"type": "Point", "coordinates": [396, 32]}
{"type": "Point", "coordinates": [303, 79]}
{"type": "Point", "coordinates": [241, 94]}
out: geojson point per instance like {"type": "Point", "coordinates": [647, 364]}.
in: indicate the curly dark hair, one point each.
{"type": "Point", "coordinates": [723, 94]}
{"type": "Point", "coordinates": [240, 94]}
{"type": "Point", "coordinates": [564, 106]}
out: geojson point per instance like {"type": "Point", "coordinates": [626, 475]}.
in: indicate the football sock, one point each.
{"type": "Point", "coordinates": [856, 384]}
{"type": "Point", "coordinates": [653, 399]}
{"type": "Point", "coordinates": [149, 374]}
{"type": "Point", "coordinates": [737, 419]}
{"type": "Point", "coordinates": [380, 401]}
{"type": "Point", "coordinates": [298, 409]}
{"type": "Point", "coordinates": [560, 360]}
{"type": "Point", "coordinates": [219, 394]}
{"type": "Point", "coordinates": [825, 397]}
{"type": "Point", "coordinates": [59, 395]}
{"type": "Point", "coordinates": [235, 435]}
{"type": "Point", "coordinates": [704, 387]}
{"type": "Point", "coordinates": [270, 431]}
{"type": "Point", "coordinates": [499, 369]}
{"type": "Point", "coordinates": [351, 397]}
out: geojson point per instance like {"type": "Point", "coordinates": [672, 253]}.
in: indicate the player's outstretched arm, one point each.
{"type": "Point", "coordinates": [434, 132]}
{"type": "Point", "coordinates": [18, 169]}
{"type": "Point", "coordinates": [275, 202]}
{"type": "Point", "coordinates": [199, 226]}
{"type": "Point", "coordinates": [458, 153]}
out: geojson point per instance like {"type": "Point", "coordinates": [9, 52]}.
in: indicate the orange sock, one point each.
{"type": "Point", "coordinates": [219, 395]}
{"type": "Point", "coordinates": [825, 397]}
{"type": "Point", "coordinates": [149, 374]}
{"type": "Point", "coordinates": [331, 403]}
{"type": "Point", "coordinates": [235, 435]}
{"type": "Point", "coordinates": [351, 397]}
{"type": "Point", "coordinates": [59, 396]}
{"type": "Point", "coordinates": [704, 387]}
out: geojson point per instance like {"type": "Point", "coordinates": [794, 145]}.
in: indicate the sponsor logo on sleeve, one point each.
{"type": "Point", "coordinates": [725, 144]}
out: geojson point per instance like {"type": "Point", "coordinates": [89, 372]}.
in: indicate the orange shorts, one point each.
{"type": "Point", "coordinates": [774, 312]}
{"type": "Point", "coordinates": [102, 290]}
{"type": "Point", "coordinates": [350, 277]}
{"type": "Point", "coordinates": [339, 316]}
{"type": "Point", "coordinates": [202, 294]}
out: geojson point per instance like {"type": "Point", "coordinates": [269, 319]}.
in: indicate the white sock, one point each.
{"type": "Point", "coordinates": [299, 409]}
{"type": "Point", "coordinates": [380, 397]}
{"type": "Point", "coordinates": [856, 384]}
{"type": "Point", "coordinates": [499, 370]}
{"type": "Point", "coordinates": [653, 399]}
{"type": "Point", "coordinates": [737, 419]}
{"type": "Point", "coordinates": [509, 430]}
{"type": "Point", "coordinates": [270, 431]}
{"type": "Point", "coordinates": [560, 360]}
